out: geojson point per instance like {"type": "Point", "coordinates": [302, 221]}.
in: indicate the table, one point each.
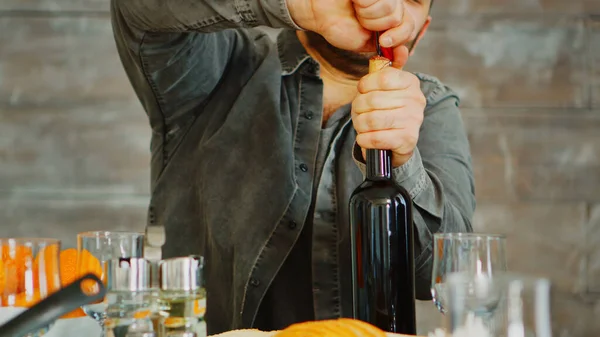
{"type": "Point", "coordinates": [83, 326]}
{"type": "Point", "coordinates": [75, 327]}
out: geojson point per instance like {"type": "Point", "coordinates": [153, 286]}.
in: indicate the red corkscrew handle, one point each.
{"type": "Point", "coordinates": [386, 52]}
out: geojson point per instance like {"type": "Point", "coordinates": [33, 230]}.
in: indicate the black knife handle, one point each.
{"type": "Point", "coordinates": [53, 307]}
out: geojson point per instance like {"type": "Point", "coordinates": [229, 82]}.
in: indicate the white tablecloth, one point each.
{"type": "Point", "coordinates": [74, 327]}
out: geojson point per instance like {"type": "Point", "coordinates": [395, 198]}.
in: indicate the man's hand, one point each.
{"type": "Point", "coordinates": [392, 19]}
{"type": "Point", "coordinates": [349, 24]}
{"type": "Point", "coordinates": [387, 16]}
{"type": "Point", "coordinates": [335, 20]}
{"type": "Point", "coordinates": [388, 112]}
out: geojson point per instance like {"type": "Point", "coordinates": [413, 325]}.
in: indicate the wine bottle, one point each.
{"type": "Point", "coordinates": [382, 244]}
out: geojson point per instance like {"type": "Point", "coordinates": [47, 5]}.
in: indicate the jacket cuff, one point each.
{"type": "Point", "coordinates": [412, 175]}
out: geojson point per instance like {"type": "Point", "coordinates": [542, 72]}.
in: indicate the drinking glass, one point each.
{"type": "Point", "coordinates": [476, 255]}
{"type": "Point", "coordinates": [522, 306]}
{"type": "Point", "coordinates": [29, 272]}
{"type": "Point", "coordinates": [95, 249]}
{"type": "Point", "coordinates": [130, 298]}
{"type": "Point", "coordinates": [182, 301]}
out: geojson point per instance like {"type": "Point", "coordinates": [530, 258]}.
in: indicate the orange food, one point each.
{"type": "Point", "coordinates": [174, 322]}
{"type": "Point", "coordinates": [27, 300]}
{"type": "Point", "coordinates": [343, 327]}
{"type": "Point", "coordinates": [366, 328]}
{"type": "Point", "coordinates": [199, 307]}
{"type": "Point", "coordinates": [74, 314]}
{"type": "Point", "coordinates": [15, 261]}
{"type": "Point", "coordinates": [68, 266]}
{"type": "Point", "coordinates": [88, 263]}
{"type": "Point", "coordinates": [73, 266]}
{"type": "Point", "coordinates": [3, 278]}
{"type": "Point", "coordinates": [47, 258]}
{"type": "Point", "coordinates": [69, 273]}
{"type": "Point", "coordinates": [18, 269]}
{"type": "Point", "coordinates": [141, 314]}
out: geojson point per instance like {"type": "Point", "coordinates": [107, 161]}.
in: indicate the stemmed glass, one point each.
{"type": "Point", "coordinates": [95, 249]}
{"type": "Point", "coordinates": [522, 306]}
{"type": "Point", "coordinates": [29, 272]}
{"type": "Point", "coordinates": [478, 256]}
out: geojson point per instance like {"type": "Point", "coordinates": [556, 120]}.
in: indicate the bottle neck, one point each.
{"type": "Point", "coordinates": [379, 164]}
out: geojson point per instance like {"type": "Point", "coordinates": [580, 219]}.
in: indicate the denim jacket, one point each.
{"type": "Point", "coordinates": [235, 121]}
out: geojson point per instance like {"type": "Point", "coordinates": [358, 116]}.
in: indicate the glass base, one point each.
{"type": "Point", "coordinates": [40, 332]}
{"type": "Point", "coordinates": [8, 313]}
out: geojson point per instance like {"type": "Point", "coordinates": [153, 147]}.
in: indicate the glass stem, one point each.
{"type": "Point", "coordinates": [101, 322]}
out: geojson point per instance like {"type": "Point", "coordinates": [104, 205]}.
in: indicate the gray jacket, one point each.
{"type": "Point", "coordinates": [235, 124]}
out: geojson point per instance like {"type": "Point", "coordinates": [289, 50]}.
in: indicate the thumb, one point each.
{"type": "Point", "coordinates": [401, 54]}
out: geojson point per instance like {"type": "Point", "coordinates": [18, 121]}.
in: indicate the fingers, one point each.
{"type": "Point", "coordinates": [379, 15]}
{"type": "Point", "coordinates": [379, 120]}
{"type": "Point", "coordinates": [385, 120]}
{"type": "Point", "coordinates": [348, 34]}
{"type": "Point", "coordinates": [378, 100]}
{"type": "Point", "coordinates": [375, 9]}
{"type": "Point", "coordinates": [387, 100]}
{"type": "Point", "coordinates": [399, 34]}
{"type": "Point", "coordinates": [401, 141]}
{"type": "Point", "coordinates": [389, 17]}
{"type": "Point", "coordinates": [401, 55]}
{"type": "Point", "coordinates": [387, 79]}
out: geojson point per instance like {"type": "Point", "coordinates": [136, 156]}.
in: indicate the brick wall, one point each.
{"type": "Point", "coordinates": [528, 72]}
{"type": "Point", "coordinates": [74, 140]}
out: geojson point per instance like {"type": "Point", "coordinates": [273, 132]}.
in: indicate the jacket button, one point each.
{"type": "Point", "coordinates": [303, 167]}
{"type": "Point", "coordinates": [308, 115]}
{"type": "Point", "coordinates": [292, 225]}
{"type": "Point", "coordinates": [151, 216]}
{"type": "Point", "coordinates": [254, 282]}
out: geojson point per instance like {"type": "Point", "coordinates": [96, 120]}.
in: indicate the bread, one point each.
{"type": "Point", "coordinates": [343, 327]}
{"type": "Point", "coordinates": [246, 333]}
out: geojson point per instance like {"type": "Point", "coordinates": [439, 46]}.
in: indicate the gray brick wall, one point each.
{"type": "Point", "coordinates": [74, 140]}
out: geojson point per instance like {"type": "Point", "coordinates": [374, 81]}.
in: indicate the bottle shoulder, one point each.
{"type": "Point", "coordinates": [377, 189]}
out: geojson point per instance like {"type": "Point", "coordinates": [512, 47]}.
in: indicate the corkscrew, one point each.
{"type": "Point", "coordinates": [375, 158]}
{"type": "Point", "coordinates": [381, 51]}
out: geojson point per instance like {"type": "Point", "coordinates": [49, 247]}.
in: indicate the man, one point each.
{"type": "Point", "coordinates": [257, 146]}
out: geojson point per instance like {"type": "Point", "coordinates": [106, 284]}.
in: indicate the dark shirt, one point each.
{"type": "Point", "coordinates": [283, 305]}
{"type": "Point", "coordinates": [236, 133]}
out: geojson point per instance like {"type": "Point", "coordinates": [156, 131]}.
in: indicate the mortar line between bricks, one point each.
{"type": "Point", "coordinates": [588, 60]}
{"type": "Point", "coordinates": [81, 194]}
{"type": "Point", "coordinates": [586, 241]}
{"type": "Point", "coordinates": [33, 13]}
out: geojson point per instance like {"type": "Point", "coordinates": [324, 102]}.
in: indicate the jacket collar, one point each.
{"type": "Point", "coordinates": [293, 56]}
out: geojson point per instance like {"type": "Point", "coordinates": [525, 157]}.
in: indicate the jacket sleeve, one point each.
{"type": "Point", "coordinates": [177, 52]}
{"type": "Point", "coordinates": [204, 15]}
{"type": "Point", "coordinates": [439, 177]}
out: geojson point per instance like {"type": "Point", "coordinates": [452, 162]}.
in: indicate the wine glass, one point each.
{"type": "Point", "coordinates": [476, 255]}
{"type": "Point", "coordinates": [523, 306]}
{"type": "Point", "coordinates": [29, 272]}
{"type": "Point", "coordinates": [95, 249]}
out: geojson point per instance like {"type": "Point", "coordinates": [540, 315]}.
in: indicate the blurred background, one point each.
{"type": "Point", "coordinates": [74, 141]}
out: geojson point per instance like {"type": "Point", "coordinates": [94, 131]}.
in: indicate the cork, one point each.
{"type": "Point", "coordinates": [377, 63]}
